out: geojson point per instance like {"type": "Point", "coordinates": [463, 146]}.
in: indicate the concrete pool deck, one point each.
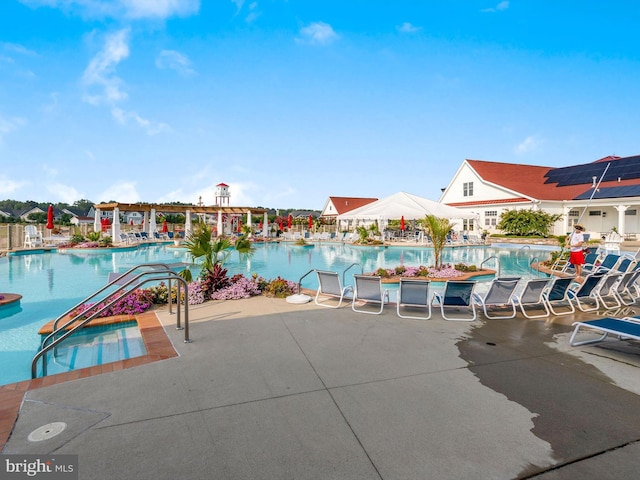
{"type": "Point", "coordinates": [271, 390]}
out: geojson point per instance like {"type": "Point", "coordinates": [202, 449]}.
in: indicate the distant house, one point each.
{"type": "Point", "coordinates": [81, 220]}
{"type": "Point", "coordinates": [24, 215]}
{"type": "Point", "coordinates": [602, 195]}
{"type": "Point", "coordinates": [5, 214]}
{"type": "Point", "coordinates": [339, 205]}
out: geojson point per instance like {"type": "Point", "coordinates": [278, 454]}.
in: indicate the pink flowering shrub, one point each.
{"type": "Point", "coordinates": [241, 287]}
{"type": "Point", "coordinates": [135, 302]}
{"type": "Point", "coordinates": [196, 293]}
{"type": "Point", "coordinates": [447, 271]}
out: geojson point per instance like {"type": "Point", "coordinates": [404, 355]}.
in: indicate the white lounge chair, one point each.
{"type": "Point", "coordinates": [458, 294]}
{"type": "Point", "coordinates": [624, 328]}
{"type": "Point", "coordinates": [368, 289]}
{"type": "Point", "coordinates": [606, 291]}
{"type": "Point", "coordinates": [329, 285]}
{"type": "Point", "coordinates": [500, 295]}
{"type": "Point", "coordinates": [585, 295]}
{"type": "Point", "coordinates": [533, 295]}
{"type": "Point", "coordinates": [32, 237]}
{"type": "Point", "coordinates": [557, 295]}
{"type": "Point", "coordinates": [414, 294]}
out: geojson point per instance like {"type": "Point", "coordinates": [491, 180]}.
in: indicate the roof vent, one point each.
{"type": "Point", "coordinates": [594, 178]}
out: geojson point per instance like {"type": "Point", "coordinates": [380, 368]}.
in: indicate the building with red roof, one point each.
{"type": "Point", "coordinates": [339, 205]}
{"type": "Point", "coordinates": [602, 195]}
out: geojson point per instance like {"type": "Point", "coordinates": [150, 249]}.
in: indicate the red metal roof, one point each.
{"type": "Point", "coordinates": [529, 180]}
{"type": "Point", "coordinates": [346, 204]}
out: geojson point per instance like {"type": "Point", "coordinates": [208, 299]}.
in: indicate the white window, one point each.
{"type": "Point", "coordinates": [467, 189]}
{"type": "Point", "coordinates": [490, 218]}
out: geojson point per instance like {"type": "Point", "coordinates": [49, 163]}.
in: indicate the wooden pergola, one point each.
{"type": "Point", "coordinates": [206, 209]}
{"type": "Point", "coordinates": [149, 210]}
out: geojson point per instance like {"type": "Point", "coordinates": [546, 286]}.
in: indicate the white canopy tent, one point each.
{"type": "Point", "coordinates": [406, 205]}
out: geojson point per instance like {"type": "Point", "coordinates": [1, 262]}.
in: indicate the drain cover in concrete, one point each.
{"type": "Point", "coordinates": [47, 431]}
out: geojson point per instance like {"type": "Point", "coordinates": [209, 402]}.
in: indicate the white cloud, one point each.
{"type": "Point", "coordinates": [498, 8]}
{"type": "Point", "coordinates": [529, 144]}
{"type": "Point", "coordinates": [17, 48]}
{"type": "Point", "coordinates": [160, 8]}
{"type": "Point", "coordinates": [407, 27]}
{"type": "Point", "coordinates": [175, 61]}
{"type": "Point", "coordinates": [125, 118]}
{"type": "Point", "coordinates": [318, 33]}
{"type": "Point", "coordinates": [100, 72]}
{"type": "Point", "coordinates": [132, 9]}
{"type": "Point", "coordinates": [9, 125]}
{"type": "Point", "coordinates": [64, 193]}
{"type": "Point", "coordinates": [9, 186]}
{"type": "Point", "coordinates": [125, 192]}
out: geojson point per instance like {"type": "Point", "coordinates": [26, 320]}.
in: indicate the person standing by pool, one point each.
{"type": "Point", "coordinates": [575, 242]}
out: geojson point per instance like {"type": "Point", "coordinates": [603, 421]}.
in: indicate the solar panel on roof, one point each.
{"type": "Point", "coordinates": [611, 192]}
{"type": "Point", "coordinates": [627, 168]}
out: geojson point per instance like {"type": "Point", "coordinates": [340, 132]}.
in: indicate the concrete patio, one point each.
{"type": "Point", "coordinates": [270, 390]}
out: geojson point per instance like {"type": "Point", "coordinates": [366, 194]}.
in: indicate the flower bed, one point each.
{"type": "Point", "coordinates": [447, 272]}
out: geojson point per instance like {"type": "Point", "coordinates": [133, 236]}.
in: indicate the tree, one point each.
{"type": "Point", "coordinates": [527, 222]}
{"type": "Point", "coordinates": [438, 228]}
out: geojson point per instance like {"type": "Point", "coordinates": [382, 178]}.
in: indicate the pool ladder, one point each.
{"type": "Point", "coordinates": [158, 272]}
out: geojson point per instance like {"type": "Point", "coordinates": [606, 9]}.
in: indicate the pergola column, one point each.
{"type": "Point", "coordinates": [565, 219]}
{"type": "Point", "coordinates": [145, 222]}
{"type": "Point", "coordinates": [249, 223]}
{"type": "Point", "coordinates": [219, 223]}
{"type": "Point", "coordinates": [187, 223]}
{"type": "Point", "coordinates": [97, 226]}
{"type": "Point", "coordinates": [621, 218]}
{"type": "Point", "coordinates": [265, 225]}
{"type": "Point", "coordinates": [115, 225]}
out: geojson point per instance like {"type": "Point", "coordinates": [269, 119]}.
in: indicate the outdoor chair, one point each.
{"type": "Point", "coordinates": [457, 295]}
{"type": "Point", "coordinates": [558, 296]}
{"type": "Point", "coordinates": [32, 237]}
{"type": "Point", "coordinates": [329, 285]}
{"type": "Point", "coordinates": [586, 292]}
{"type": "Point", "coordinates": [533, 295]}
{"type": "Point", "coordinates": [624, 328]}
{"type": "Point", "coordinates": [606, 290]}
{"type": "Point", "coordinates": [626, 289]}
{"type": "Point", "coordinates": [368, 289]}
{"type": "Point", "coordinates": [499, 295]}
{"type": "Point", "coordinates": [413, 295]}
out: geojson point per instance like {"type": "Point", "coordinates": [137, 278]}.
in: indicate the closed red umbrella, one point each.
{"type": "Point", "coordinates": [239, 226]}
{"type": "Point", "coordinates": [289, 221]}
{"type": "Point", "coordinates": [165, 229]}
{"type": "Point", "coordinates": [310, 222]}
{"type": "Point", "coordinates": [280, 224]}
{"type": "Point", "coordinates": [402, 223]}
{"type": "Point", "coordinates": [50, 217]}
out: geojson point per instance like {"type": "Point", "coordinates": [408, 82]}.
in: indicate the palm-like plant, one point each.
{"type": "Point", "coordinates": [212, 252]}
{"type": "Point", "coordinates": [438, 228]}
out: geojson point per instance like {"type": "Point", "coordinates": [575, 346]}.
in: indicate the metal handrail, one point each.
{"type": "Point", "coordinates": [535, 260]}
{"type": "Point", "coordinates": [168, 275]}
{"type": "Point", "coordinates": [522, 248]}
{"type": "Point", "coordinates": [300, 281]}
{"type": "Point", "coordinates": [95, 294]}
{"type": "Point", "coordinates": [489, 258]}
{"type": "Point", "coordinates": [345, 272]}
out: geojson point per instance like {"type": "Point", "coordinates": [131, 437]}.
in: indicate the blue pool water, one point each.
{"type": "Point", "coordinates": [51, 282]}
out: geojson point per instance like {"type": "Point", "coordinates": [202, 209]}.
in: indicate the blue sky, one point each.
{"type": "Point", "coordinates": [292, 101]}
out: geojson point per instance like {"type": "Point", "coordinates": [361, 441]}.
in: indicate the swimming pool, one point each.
{"type": "Point", "coordinates": [51, 282]}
